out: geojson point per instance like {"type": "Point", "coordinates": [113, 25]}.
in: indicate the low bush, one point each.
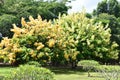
{"type": "Point", "coordinates": [88, 62]}
{"type": "Point", "coordinates": [109, 72]}
{"type": "Point", "coordinates": [88, 65]}
{"type": "Point", "coordinates": [108, 68]}
{"type": "Point", "coordinates": [30, 72]}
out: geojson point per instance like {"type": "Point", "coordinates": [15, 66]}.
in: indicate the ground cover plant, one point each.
{"type": "Point", "coordinates": [30, 72]}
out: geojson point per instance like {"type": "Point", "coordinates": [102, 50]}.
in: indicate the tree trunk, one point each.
{"type": "Point", "coordinates": [73, 64]}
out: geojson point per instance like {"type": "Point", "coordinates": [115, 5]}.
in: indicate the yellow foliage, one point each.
{"type": "Point", "coordinates": [23, 22]}
{"type": "Point", "coordinates": [40, 55]}
{"type": "Point", "coordinates": [66, 56]}
{"type": "Point", "coordinates": [31, 18]}
{"type": "Point", "coordinates": [39, 18]}
{"type": "Point", "coordinates": [16, 30]}
{"type": "Point", "coordinates": [44, 61]}
{"type": "Point", "coordinates": [32, 52]}
{"type": "Point", "coordinates": [5, 42]}
{"type": "Point", "coordinates": [12, 60]}
{"type": "Point", "coordinates": [11, 57]}
{"type": "Point", "coordinates": [32, 38]}
{"type": "Point", "coordinates": [3, 52]}
{"type": "Point", "coordinates": [40, 47]}
{"type": "Point", "coordinates": [74, 55]}
{"type": "Point", "coordinates": [51, 42]}
{"type": "Point", "coordinates": [33, 55]}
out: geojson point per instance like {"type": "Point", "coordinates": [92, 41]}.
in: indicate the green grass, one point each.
{"type": "Point", "coordinates": [82, 76]}
{"type": "Point", "coordinates": [62, 74]}
{"type": "Point", "coordinates": [5, 71]}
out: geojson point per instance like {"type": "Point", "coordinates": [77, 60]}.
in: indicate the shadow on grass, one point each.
{"type": "Point", "coordinates": [58, 70]}
{"type": "Point", "coordinates": [73, 72]}
{"type": "Point", "coordinates": [97, 76]}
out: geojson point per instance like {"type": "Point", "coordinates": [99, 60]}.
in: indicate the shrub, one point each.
{"type": "Point", "coordinates": [92, 40]}
{"type": "Point", "coordinates": [30, 72]}
{"type": "Point", "coordinates": [109, 72]}
{"type": "Point", "coordinates": [88, 65]}
{"type": "Point", "coordinates": [37, 40]}
{"type": "Point", "coordinates": [67, 39]}
{"type": "Point", "coordinates": [108, 68]}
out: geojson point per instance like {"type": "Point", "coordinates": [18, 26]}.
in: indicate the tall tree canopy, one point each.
{"type": "Point", "coordinates": [113, 24]}
{"type": "Point", "coordinates": [24, 8]}
{"type": "Point", "coordinates": [111, 7]}
{"type": "Point", "coordinates": [108, 12]}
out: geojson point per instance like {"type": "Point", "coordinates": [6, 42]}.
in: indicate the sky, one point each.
{"type": "Point", "coordinates": [89, 5]}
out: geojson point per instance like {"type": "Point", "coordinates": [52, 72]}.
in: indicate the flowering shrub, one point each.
{"type": "Point", "coordinates": [69, 38]}
{"type": "Point", "coordinates": [92, 40]}
{"type": "Point", "coordinates": [36, 40]}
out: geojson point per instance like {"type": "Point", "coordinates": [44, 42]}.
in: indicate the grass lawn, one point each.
{"type": "Point", "coordinates": [81, 76]}
{"type": "Point", "coordinates": [62, 74]}
{"type": "Point", "coordinates": [5, 71]}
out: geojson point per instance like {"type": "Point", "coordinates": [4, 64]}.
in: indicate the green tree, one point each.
{"type": "Point", "coordinates": [6, 22]}
{"type": "Point", "coordinates": [108, 12]}
{"type": "Point", "coordinates": [67, 39]}
{"type": "Point", "coordinates": [37, 40]}
{"type": "Point", "coordinates": [111, 7]}
{"type": "Point", "coordinates": [25, 8]}
{"type": "Point", "coordinates": [113, 24]}
{"type": "Point", "coordinates": [92, 40]}
{"type": "Point", "coordinates": [88, 15]}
